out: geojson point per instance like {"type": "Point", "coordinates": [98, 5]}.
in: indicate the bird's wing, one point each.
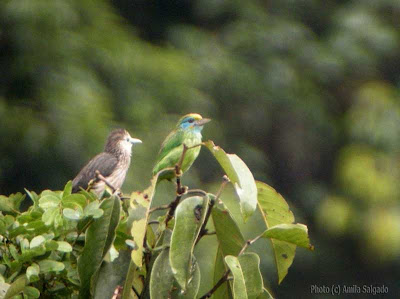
{"type": "Point", "coordinates": [105, 163]}
{"type": "Point", "coordinates": [173, 140]}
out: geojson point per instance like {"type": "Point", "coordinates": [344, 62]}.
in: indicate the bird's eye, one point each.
{"type": "Point", "coordinates": [127, 138]}
{"type": "Point", "coordinates": [191, 120]}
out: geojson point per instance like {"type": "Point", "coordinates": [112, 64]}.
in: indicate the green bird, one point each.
{"type": "Point", "coordinates": [188, 132]}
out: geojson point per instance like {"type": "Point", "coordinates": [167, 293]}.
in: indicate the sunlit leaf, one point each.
{"type": "Point", "coordinates": [240, 176]}
{"type": "Point", "coordinates": [64, 246]}
{"type": "Point", "coordinates": [67, 189]}
{"type": "Point", "coordinates": [73, 201]}
{"type": "Point", "coordinates": [49, 201]}
{"type": "Point", "coordinates": [16, 287]}
{"type": "Point", "coordinates": [138, 214]}
{"type": "Point", "coordinates": [247, 279]}
{"type": "Point", "coordinates": [189, 216]}
{"type": "Point", "coordinates": [37, 241]}
{"type": "Point", "coordinates": [50, 266]}
{"type": "Point", "coordinates": [72, 214]}
{"type": "Point", "coordinates": [32, 272]}
{"type": "Point", "coordinates": [292, 233]}
{"type": "Point", "coordinates": [275, 210]}
{"type": "Point", "coordinates": [162, 279]}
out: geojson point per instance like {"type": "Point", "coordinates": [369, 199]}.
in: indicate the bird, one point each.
{"type": "Point", "coordinates": [188, 132]}
{"type": "Point", "coordinates": [112, 164]}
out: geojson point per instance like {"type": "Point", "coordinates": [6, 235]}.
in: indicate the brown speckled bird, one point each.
{"type": "Point", "coordinates": [112, 164]}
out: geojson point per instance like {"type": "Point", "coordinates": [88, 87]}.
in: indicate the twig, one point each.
{"type": "Point", "coordinates": [207, 233]}
{"type": "Point", "coordinates": [163, 207]}
{"type": "Point", "coordinates": [172, 208]}
{"type": "Point", "coordinates": [203, 229]}
{"type": "Point", "coordinates": [248, 243]}
{"type": "Point", "coordinates": [217, 285]}
{"type": "Point", "coordinates": [224, 278]}
{"type": "Point", "coordinates": [100, 177]}
{"type": "Point", "coordinates": [136, 292]}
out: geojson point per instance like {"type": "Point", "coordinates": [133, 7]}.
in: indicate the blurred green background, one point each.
{"type": "Point", "coordinates": [307, 93]}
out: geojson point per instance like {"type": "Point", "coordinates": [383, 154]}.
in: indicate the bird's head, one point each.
{"type": "Point", "coordinates": [192, 121]}
{"type": "Point", "coordinates": [120, 142]}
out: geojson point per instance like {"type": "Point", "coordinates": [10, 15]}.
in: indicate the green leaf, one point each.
{"type": "Point", "coordinates": [274, 211]}
{"type": "Point", "coordinates": [32, 272]}
{"type": "Point", "coordinates": [74, 201]}
{"type": "Point", "coordinates": [112, 275]}
{"type": "Point", "coordinates": [37, 241]}
{"type": "Point", "coordinates": [33, 196]}
{"type": "Point", "coordinates": [3, 288]}
{"type": "Point", "coordinates": [265, 295]}
{"type": "Point", "coordinates": [50, 266]}
{"type": "Point", "coordinates": [2, 227]}
{"type": "Point", "coordinates": [49, 201]}
{"type": "Point", "coordinates": [49, 215]}
{"type": "Point", "coordinates": [27, 255]}
{"type": "Point", "coordinates": [92, 209]}
{"type": "Point", "coordinates": [99, 238]}
{"type": "Point", "coordinates": [228, 233]}
{"type": "Point", "coordinates": [162, 279]}
{"type": "Point", "coordinates": [240, 176]}
{"type": "Point", "coordinates": [16, 200]}
{"type": "Point", "coordinates": [13, 251]}
{"type": "Point", "coordinates": [11, 204]}
{"type": "Point", "coordinates": [239, 286]}
{"type": "Point", "coordinates": [292, 233]}
{"type": "Point", "coordinates": [188, 221]}
{"type": "Point", "coordinates": [6, 204]}
{"type": "Point", "coordinates": [16, 287]}
{"type": "Point", "coordinates": [64, 246]}
{"type": "Point", "coordinates": [67, 189]}
{"type": "Point", "coordinates": [72, 214]}
{"type": "Point", "coordinates": [220, 268]}
{"type": "Point", "coordinates": [51, 245]}
{"type": "Point", "coordinates": [247, 279]}
{"type": "Point", "coordinates": [31, 292]}
{"type": "Point", "coordinates": [139, 213]}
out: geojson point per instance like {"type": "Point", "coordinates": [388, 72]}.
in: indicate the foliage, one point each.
{"type": "Point", "coordinates": [307, 93]}
{"type": "Point", "coordinates": [64, 244]}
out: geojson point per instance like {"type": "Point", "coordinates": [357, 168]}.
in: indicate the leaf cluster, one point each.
{"type": "Point", "coordinates": [80, 246]}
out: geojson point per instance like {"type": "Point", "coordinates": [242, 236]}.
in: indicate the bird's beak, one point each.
{"type": "Point", "coordinates": [134, 140]}
{"type": "Point", "coordinates": [202, 122]}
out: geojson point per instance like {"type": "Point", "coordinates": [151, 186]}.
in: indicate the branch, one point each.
{"type": "Point", "coordinates": [217, 285]}
{"type": "Point", "coordinates": [163, 207]}
{"type": "Point", "coordinates": [100, 177]}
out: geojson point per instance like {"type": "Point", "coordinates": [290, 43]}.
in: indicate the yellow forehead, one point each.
{"type": "Point", "coordinates": [196, 116]}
